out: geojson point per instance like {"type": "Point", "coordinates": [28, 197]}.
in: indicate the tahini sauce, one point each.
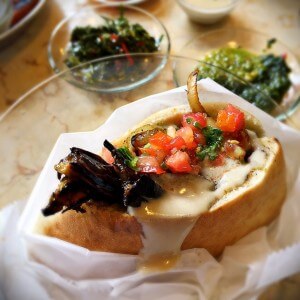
{"type": "Point", "coordinates": [168, 220]}
{"type": "Point", "coordinates": [210, 4]}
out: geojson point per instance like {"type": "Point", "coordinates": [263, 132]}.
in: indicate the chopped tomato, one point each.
{"type": "Point", "coordinates": [179, 162]}
{"type": "Point", "coordinates": [231, 119]}
{"type": "Point", "coordinates": [114, 37]}
{"type": "Point", "coordinates": [176, 143]}
{"type": "Point", "coordinates": [160, 140]}
{"type": "Point", "coordinates": [242, 137]}
{"type": "Point", "coordinates": [219, 161]}
{"type": "Point", "coordinates": [194, 120]}
{"type": "Point", "coordinates": [149, 164]}
{"type": "Point", "coordinates": [229, 149]}
{"type": "Point", "coordinates": [187, 134]}
{"type": "Point", "coordinates": [140, 43]}
{"type": "Point", "coordinates": [196, 168]}
{"type": "Point", "coordinates": [159, 154]}
{"type": "Point", "coordinates": [199, 138]}
{"type": "Point", "coordinates": [233, 150]}
{"type": "Point", "coordinates": [106, 155]}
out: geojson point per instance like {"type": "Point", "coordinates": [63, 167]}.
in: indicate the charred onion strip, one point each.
{"type": "Point", "coordinates": [192, 93]}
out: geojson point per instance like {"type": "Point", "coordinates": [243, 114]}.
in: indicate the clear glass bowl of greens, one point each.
{"type": "Point", "coordinates": [255, 58]}
{"type": "Point", "coordinates": [106, 31]}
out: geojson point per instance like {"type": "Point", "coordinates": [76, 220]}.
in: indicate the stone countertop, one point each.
{"type": "Point", "coordinates": [24, 63]}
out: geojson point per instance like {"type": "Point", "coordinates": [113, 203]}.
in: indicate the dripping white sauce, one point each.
{"type": "Point", "coordinates": [168, 220]}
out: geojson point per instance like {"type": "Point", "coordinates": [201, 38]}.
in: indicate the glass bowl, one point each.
{"type": "Point", "coordinates": [89, 75]}
{"type": "Point", "coordinates": [254, 42]}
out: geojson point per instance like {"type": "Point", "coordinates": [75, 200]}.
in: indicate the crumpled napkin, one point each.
{"type": "Point", "coordinates": [38, 267]}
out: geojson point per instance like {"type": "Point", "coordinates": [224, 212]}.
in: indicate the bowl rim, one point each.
{"type": "Point", "coordinates": [282, 116]}
{"type": "Point", "coordinates": [97, 6]}
{"type": "Point", "coordinates": [125, 2]}
{"type": "Point", "coordinates": [292, 61]}
{"type": "Point", "coordinates": [220, 31]}
{"type": "Point", "coordinates": [198, 8]}
{"type": "Point", "coordinates": [128, 87]}
{"type": "Point", "coordinates": [18, 26]}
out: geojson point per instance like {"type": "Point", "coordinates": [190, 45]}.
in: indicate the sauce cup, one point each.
{"type": "Point", "coordinates": [207, 11]}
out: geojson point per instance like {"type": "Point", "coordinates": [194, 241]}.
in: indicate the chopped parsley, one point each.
{"type": "Point", "coordinates": [270, 43]}
{"type": "Point", "coordinates": [214, 140]}
{"type": "Point", "coordinates": [191, 121]}
{"type": "Point", "coordinates": [130, 160]}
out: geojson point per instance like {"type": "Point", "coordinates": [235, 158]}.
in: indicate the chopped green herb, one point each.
{"type": "Point", "coordinates": [130, 160]}
{"type": "Point", "coordinates": [214, 140]}
{"type": "Point", "coordinates": [197, 125]}
{"type": "Point", "coordinates": [189, 120]}
{"type": "Point", "coordinates": [271, 42]}
{"type": "Point", "coordinates": [116, 36]}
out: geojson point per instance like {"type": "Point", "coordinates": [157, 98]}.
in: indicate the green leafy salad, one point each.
{"type": "Point", "coordinates": [116, 36]}
{"type": "Point", "coordinates": [267, 73]}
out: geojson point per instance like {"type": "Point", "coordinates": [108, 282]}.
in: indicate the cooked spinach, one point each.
{"type": "Point", "coordinates": [268, 75]}
{"type": "Point", "coordinates": [116, 36]}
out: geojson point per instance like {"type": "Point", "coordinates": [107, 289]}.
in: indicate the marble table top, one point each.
{"type": "Point", "coordinates": [24, 62]}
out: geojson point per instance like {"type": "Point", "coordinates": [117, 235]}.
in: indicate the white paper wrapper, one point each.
{"type": "Point", "coordinates": [39, 267]}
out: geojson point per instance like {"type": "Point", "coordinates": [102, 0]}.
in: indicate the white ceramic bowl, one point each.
{"type": "Point", "coordinates": [207, 11]}
{"type": "Point", "coordinates": [122, 2]}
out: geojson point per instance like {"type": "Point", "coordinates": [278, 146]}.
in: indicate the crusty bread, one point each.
{"type": "Point", "coordinates": [255, 204]}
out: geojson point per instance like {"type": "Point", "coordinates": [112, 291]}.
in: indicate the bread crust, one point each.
{"type": "Point", "coordinates": [111, 229]}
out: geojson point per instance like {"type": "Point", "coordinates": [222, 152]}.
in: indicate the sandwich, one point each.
{"type": "Point", "coordinates": [201, 175]}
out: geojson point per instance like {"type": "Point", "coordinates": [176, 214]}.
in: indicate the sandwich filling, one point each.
{"type": "Point", "coordinates": [196, 163]}
{"type": "Point", "coordinates": [172, 216]}
{"type": "Point", "coordinates": [167, 173]}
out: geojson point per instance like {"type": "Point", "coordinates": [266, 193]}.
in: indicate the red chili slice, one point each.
{"type": "Point", "coordinates": [129, 58]}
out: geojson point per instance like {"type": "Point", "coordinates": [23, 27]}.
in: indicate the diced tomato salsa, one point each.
{"type": "Point", "coordinates": [194, 120]}
{"type": "Point", "coordinates": [193, 142]}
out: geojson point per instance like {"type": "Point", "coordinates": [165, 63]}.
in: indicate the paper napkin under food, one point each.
{"type": "Point", "coordinates": [33, 266]}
